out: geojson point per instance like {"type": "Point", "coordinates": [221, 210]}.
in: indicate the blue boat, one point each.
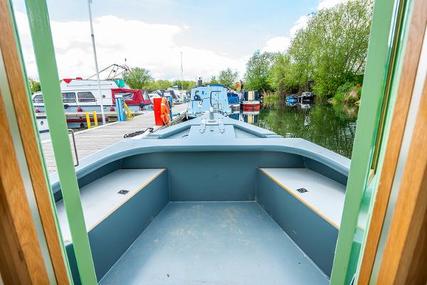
{"type": "Point", "coordinates": [212, 199]}
{"type": "Point", "coordinates": [233, 101]}
{"type": "Point", "coordinates": [210, 96]}
{"type": "Point", "coordinates": [291, 100]}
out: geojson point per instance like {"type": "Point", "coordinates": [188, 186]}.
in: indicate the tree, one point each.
{"type": "Point", "coordinates": [332, 49]}
{"type": "Point", "coordinates": [138, 78]}
{"type": "Point", "coordinates": [185, 85]}
{"type": "Point", "coordinates": [258, 71]}
{"type": "Point", "coordinates": [328, 53]}
{"type": "Point", "coordinates": [34, 86]}
{"type": "Point", "coordinates": [227, 77]}
{"type": "Point", "coordinates": [279, 73]}
{"type": "Point", "coordinates": [213, 80]}
{"type": "Point", "coordinates": [158, 85]}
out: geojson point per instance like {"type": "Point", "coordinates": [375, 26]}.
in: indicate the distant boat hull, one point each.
{"type": "Point", "coordinates": [251, 106]}
{"type": "Point", "coordinates": [235, 107]}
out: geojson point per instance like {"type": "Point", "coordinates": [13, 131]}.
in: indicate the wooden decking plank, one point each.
{"type": "Point", "coordinates": [92, 140]}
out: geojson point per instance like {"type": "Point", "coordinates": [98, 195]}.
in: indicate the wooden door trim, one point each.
{"type": "Point", "coordinates": [409, 221]}
{"type": "Point", "coordinates": [18, 88]}
{"type": "Point", "coordinates": [400, 113]}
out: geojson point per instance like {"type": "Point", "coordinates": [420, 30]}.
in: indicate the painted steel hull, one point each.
{"type": "Point", "coordinates": [251, 106]}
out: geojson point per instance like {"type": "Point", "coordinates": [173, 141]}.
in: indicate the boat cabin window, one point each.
{"type": "Point", "coordinates": [38, 99]}
{"type": "Point", "coordinates": [86, 97]}
{"type": "Point", "coordinates": [69, 97]}
{"type": "Point", "coordinates": [145, 96]}
{"type": "Point", "coordinates": [126, 96]}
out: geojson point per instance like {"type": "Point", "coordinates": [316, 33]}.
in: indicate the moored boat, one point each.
{"type": "Point", "coordinates": [306, 98]}
{"type": "Point", "coordinates": [291, 100]}
{"type": "Point", "coordinates": [210, 96]}
{"type": "Point", "coordinates": [80, 96]}
{"type": "Point", "coordinates": [251, 102]}
{"type": "Point", "coordinates": [233, 101]}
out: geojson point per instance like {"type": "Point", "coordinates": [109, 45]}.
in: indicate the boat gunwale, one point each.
{"type": "Point", "coordinates": [131, 147]}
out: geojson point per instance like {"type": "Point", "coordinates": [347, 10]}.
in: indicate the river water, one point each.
{"type": "Point", "coordinates": [331, 127]}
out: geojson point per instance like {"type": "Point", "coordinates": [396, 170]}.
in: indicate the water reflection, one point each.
{"type": "Point", "coordinates": [330, 127]}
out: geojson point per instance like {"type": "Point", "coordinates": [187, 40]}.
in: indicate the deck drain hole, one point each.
{"type": "Point", "coordinates": [302, 190]}
{"type": "Point", "coordinates": [123, 192]}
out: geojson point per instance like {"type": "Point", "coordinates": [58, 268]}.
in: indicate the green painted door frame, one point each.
{"type": "Point", "coordinates": [374, 111]}
{"type": "Point", "coordinates": [48, 72]}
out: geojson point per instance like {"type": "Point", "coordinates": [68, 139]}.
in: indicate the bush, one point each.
{"type": "Point", "coordinates": [272, 100]}
{"type": "Point", "coordinates": [348, 93]}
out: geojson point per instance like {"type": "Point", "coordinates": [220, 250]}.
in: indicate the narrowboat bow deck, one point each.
{"type": "Point", "coordinates": [211, 201]}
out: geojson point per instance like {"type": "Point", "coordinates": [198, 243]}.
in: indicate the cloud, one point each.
{"type": "Point", "coordinates": [152, 46]}
{"type": "Point", "coordinates": [277, 44]}
{"type": "Point", "coordinates": [282, 43]}
{"type": "Point", "coordinates": [301, 23]}
{"type": "Point", "coordinates": [326, 4]}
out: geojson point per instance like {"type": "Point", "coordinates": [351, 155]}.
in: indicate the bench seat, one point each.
{"type": "Point", "coordinates": [101, 198]}
{"type": "Point", "coordinates": [324, 196]}
{"type": "Point", "coordinates": [114, 220]}
{"type": "Point", "coordinates": [308, 206]}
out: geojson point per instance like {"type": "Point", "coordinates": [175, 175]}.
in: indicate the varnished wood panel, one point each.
{"type": "Point", "coordinates": [21, 261]}
{"type": "Point", "coordinates": [400, 113]}
{"type": "Point", "coordinates": [417, 273]}
{"type": "Point", "coordinates": [17, 85]}
{"type": "Point", "coordinates": [406, 229]}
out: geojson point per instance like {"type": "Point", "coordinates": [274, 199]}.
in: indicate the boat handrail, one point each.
{"type": "Point", "coordinates": [73, 138]}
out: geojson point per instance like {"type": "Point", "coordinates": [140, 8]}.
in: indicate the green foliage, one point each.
{"type": "Point", "coordinates": [272, 101]}
{"type": "Point", "coordinates": [279, 73]}
{"type": "Point", "coordinates": [227, 78]}
{"type": "Point", "coordinates": [34, 86]}
{"type": "Point", "coordinates": [258, 69]}
{"type": "Point", "coordinates": [347, 93]}
{"type": "Point", "coordinates": [158, 85]}
{"type": "Point", "coordinates": [165, 84]}
{"type": "Point", "coordinates": [325, 55]}
{"type": "Point", "coordinates": [332, 49]}
{"type": "Point", "coordinates": [184, 85]}
{"type": "Point", "coordinates": [213, 80]}
{"type": "Point", "coordinates": [138, 78]}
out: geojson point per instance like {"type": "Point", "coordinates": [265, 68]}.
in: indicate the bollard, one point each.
{"type": "Point", "coordinates": [121, 115]}
{"type": "Point", "coordinates": [88, 120]}
{"type": "Point", "coordinates": [170, 100]}
{"type": "Point", "coordinates": [95, 119]}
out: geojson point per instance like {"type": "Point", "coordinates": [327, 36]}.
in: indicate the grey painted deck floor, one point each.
{"type": "Point", "coordinates": [214, 243]}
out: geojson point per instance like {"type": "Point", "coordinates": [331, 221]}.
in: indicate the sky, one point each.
{"type": "Point", "coordinates": [212, 35]}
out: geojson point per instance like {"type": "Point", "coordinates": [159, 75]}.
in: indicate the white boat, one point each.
{"type": "Point", "coordinates": [80, 96]}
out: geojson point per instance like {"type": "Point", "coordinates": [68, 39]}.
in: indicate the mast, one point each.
{"type": "Point", "coordinates": [96, 62]}
{"type": "Point", "coordinates": [182, 73]}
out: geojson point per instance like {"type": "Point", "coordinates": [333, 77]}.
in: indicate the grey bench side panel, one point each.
{"type": "Point", "coordinates": [113, 236]}
{"type": "Point", "coordinates": [213, 176]}
{"type": "Point", "coordinates": [316, 237]}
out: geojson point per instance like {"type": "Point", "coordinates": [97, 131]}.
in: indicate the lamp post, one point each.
{"type": "Point", "coordinates": [182, 73]}
{"type": "Point", "coordinates": [96, 62]}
